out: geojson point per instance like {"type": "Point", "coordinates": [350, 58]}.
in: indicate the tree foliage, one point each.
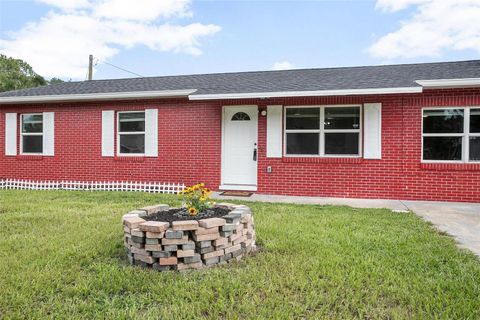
{"type": "Point", "coordinates": [17, 74]}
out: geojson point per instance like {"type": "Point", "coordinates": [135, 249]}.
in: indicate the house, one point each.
{"type": "Point", "coordinates": [407, 131]}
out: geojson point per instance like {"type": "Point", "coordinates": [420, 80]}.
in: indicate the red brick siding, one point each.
{"type": "Point", "coordinates": [190, 148]}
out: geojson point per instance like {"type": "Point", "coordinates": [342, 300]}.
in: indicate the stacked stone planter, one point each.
{"type": "Point", "coordinates": [188, 244]}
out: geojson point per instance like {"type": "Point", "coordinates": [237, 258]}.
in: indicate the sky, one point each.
{"type": "Point", "coordinates": [170, 37]}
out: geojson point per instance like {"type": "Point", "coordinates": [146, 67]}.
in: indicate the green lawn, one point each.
{"type": "Point", "coordinates": [62, 256]}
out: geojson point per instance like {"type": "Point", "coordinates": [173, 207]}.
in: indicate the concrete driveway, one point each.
{"type": "Point", "coordinates": [460, 220]}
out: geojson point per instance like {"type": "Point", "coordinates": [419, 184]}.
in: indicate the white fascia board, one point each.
{"type": "Point", "coordinates": [281, 94]}
{"type": "Point", "coordinates": [450, 83]}
{"type": "Point", "coordinates": [98, 96]}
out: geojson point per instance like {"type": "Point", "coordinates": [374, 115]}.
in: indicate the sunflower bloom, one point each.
{"type": "Point", "coordinates": [192, 211]}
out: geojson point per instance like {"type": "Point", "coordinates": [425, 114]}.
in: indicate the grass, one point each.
{"type": "Point", "coordinates": [61, 256]}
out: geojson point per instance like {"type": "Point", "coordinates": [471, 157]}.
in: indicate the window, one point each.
{"type": "Point", "coordinates": [31, 132]}
{"type": "Point", "coordinates": [451, 134]}
{"type": "Point", "coordinates": [323, 131]}
{"type": "Point", "coordinates": [240, 116]}
{"type": "Point", "coordinates": [131, 133]}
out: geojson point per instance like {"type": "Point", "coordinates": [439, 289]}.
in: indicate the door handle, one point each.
{"type": "Point", "coordinates": [254, 154]}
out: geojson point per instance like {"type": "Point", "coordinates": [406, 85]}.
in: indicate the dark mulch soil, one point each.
{"type": "Point", "coordinates": [179, 214]}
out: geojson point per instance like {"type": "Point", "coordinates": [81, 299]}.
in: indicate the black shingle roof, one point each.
{"type": "Point", "coordinates": [368, 77]}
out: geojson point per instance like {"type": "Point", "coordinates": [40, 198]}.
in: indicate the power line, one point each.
{"type": "Point", "coordinates": [120, 68]}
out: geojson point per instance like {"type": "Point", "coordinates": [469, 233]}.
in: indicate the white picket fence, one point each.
{"type": "Point", "coordinates": [151, 187]}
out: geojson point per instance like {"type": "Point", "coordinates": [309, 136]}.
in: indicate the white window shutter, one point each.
{"type": "Point", "coordinates": [372, 148]}
{"type": "Point", "coordinates": [274, 131]}
{"type": "Point", "coordinates": [108, 133]}
{"type": "Point", "coordinates": [11, 134]}
{"type": "Point", "coordinates": [151, 132]}
{"type": "Point", "coordinates": [48, 133]}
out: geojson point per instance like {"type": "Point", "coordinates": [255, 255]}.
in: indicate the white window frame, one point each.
{"type": "Point", "coordinates": [22, 134]}
{"type": "Point", "coordinates": [128, 133]}
{"type": "Point", "coordinates": [465, 135]}
{"type": "Point", "coordinates": [321, 132]}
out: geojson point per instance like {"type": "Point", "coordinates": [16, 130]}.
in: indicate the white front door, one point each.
{"type": "Point", "coordinates": [239, 150]}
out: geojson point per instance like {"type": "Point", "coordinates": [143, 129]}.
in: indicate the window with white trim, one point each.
{"type": "Point", "coordinates": [31, 134]}
{"type": "Point", "coordinates": [323, 131]}
{"type": "Point", "coordinates": [131, 133]}
{"type": "Point", "coordinates": [451, 134]}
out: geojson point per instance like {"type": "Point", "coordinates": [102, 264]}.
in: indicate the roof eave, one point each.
{"type": "Point", "coordinates": [285, 94]}
{"type": "Point", "coordinates": [98, 96]}
{"type": "Point", "coordinates": [450, 83]}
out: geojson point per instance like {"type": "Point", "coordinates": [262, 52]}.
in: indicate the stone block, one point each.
{"type": "Point", "coordinates": [187, 225]}
{"type": "Point", "coordinates": [229, 227]}
{"type": "Point", "coordinates": [225, 205]}
{"type": "Point", "coordinates": [239, 240]}
{"type": "Point", "coordinates": [233, 248]}
{"type": "Point", "coordinates": [168, 261]}
{"type": "Point", "coordinates": [155, 235]}
{"type": "Point", "coordinates": [226, 257]}
{"type": "Point", "coordinates": [153, 247]}
{"type": "Point", "coordinates": [232, 217]}
{"type": "Point", "coordinates": [203, 244]}
{"type": "Point", "coordinates": [195, 265]}
{"type": "Point", "coordinates": [171, 247]}
{"type": "Point", "coordinates": [137, 245]}
{"type": "Point", "coordinates": [211, 222]}
{"type": "Point", "coordinates": [183, 240]}
{"type": "Point", "coordinates": [137, 233]}
{"type": "Point", "coordinates": [211, 261]}
{"type": "Point", "coordinates": [205, 237]}
{"type": "Point", "coordinates": [202, 231]}
{"type": "Point", "coordinates": [213, 254]}
{"type": "Point", "coordinates": [237, 253]}
{"type": "Point", "coordinates": [206, 249]}
{"type": "Point", "coordinates": [144, 258]}
{"type": "Point", "coordinates": [185, 253]}
{"type": "Point", "coordinates": [155, 208]}
{"type": "Point", "coordinates": [139, 251]}
{"type": "Point", "coordinates": [247, 243]}
{"type": "Point", "coordinates": [189, 246]}
{"type": "Point", "coordinates": [220, 241]}
{"type": "Point", "coordinates": [152, 241]}
{"type": "Point", "coordinates": [226, 234]}
{"type": "Point", "coordinates": [138, 239]}
{"type": "Point", "coordinates": [195, 258]}
{"type": "Point", "coordinates": [133, 222]}
{"type": "Point", "coordinates": [234, 237]}
{"type": "Point", "coordinates": [246, 218]}
{"type": "Point", "coordinates": [126, 229]}
{"type": "Point", "coordinates": [154, 226]}
{"type": "Point", "coordinates": [161, 254]}
{"type": "Point", "coordinates": [173, 234]}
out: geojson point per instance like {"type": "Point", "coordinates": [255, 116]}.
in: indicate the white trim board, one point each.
{"type": "Point", "coordinates": [280, 94]}
{"type": "Point", "coordinates": [237, 187]}
{"type": "Point", "coordinates": [98, 96]}
{"type": "Point", "coordinates": [450, 83]}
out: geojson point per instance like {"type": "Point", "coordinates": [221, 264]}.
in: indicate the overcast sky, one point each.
{"type": "Point", "coordinates": [165, 37]}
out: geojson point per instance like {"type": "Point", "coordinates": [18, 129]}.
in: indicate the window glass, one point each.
{"type": "Point", "coordinates": [132, 143]}
{"type": "Point", "coordinates": [303, 118]}
{"type": "Point", "coordinates": [342, 118]}
{"type": "Point", "coordinates": [475, 148]}
{"type": "Point", "coordinates": [341, 143]}
{"type": "Point", "coordinates": [302, 143]}
{"type": "Point", "coordinates": [132, 122]}
{"type": "Point", "coordinates": [240, 116]}
{"type": "Point", "coordinates": [32, 123]}
{"type": "Point", "coordinates": [442, 148]}
{"type": "Point", "coordinates": [32, 144]}
{"type": "Point", "coordinates": [475, 120]}
{"type": "Point", "coordinates": [443, 121]}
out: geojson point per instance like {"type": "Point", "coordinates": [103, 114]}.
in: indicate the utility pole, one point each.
{"type": "Point", "coordinates": [90, 67]}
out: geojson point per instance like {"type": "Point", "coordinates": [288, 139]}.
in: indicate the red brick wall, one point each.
{"type": "Point", "coordinates": [190, 148]}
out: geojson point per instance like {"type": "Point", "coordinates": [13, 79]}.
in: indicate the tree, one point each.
{"type": "Point", "coordinates": [17, 74]}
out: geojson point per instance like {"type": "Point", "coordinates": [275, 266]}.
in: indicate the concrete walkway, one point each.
{"type": "Point", "coordinates": [460, 220]}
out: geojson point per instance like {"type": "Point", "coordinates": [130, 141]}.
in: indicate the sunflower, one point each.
{"type": "Point", "coordinates": [192, 211]}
